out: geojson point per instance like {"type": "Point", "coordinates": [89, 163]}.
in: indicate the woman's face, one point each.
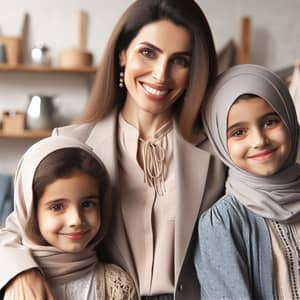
{"type": "Point", "coordinates": [157, 64]}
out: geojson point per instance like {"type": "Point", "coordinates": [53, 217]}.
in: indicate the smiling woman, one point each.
{"type": "Point", "coordinates": [143, 121]}
{"type": "Point", "coordinates": [156, 74]}
{"type": "Point", "coordinates": [173, 30]}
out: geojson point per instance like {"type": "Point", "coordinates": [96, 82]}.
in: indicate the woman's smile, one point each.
{"type": "Point", "coordinates": [155, 92]}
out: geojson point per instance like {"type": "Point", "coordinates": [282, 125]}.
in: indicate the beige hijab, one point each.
{"type": "Point", "coordinates": [278, 196]}
{"type": "Point", "coordinates": [55, 264]}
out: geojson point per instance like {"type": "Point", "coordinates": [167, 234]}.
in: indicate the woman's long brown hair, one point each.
{"type": "Point", "coordinates": [106, 95]}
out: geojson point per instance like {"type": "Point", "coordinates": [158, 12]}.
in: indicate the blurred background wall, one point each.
{"type": "Point", "coordinates": [274, 42]}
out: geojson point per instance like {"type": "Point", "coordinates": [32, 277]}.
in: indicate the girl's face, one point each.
{"type": "Point", "coordinates": [257, 139]}
{"type": "Point", "coordinates": [68, 212]}
{"type": "Point", "coordinates": [157, 64]}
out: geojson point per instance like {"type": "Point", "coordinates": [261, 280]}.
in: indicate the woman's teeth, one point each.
{"type": "Point", "coordinates": [155, 91]}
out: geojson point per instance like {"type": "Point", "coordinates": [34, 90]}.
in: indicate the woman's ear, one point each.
{"type": "Point", "coordinates": [122, 58]}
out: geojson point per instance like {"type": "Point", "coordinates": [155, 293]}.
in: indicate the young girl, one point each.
{"type": "Point", "coordinates": [62, 206]}
{"type": "Point", "coordinates": [249, 246]}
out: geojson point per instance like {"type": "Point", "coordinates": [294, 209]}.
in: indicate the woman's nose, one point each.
{"type": "Point", "coordinates": [160, 71]}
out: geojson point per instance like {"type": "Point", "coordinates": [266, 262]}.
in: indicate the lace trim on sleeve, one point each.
{"type": "Point", "coordinates": [118, 284]}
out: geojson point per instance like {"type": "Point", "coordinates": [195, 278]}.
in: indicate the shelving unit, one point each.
{"type": "Point", "coordinates": [46, 69]}
{"type": "Point", "coordinates": [26, 134]}
{"type": "Point", "coordinates": [27, 68]}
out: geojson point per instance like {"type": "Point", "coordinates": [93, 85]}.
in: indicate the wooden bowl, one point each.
{"type": "Point", "coordinates": [75, 58]}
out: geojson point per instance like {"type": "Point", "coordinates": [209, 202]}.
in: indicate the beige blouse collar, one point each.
{"type": "Point", "coordinates": [154, 152]}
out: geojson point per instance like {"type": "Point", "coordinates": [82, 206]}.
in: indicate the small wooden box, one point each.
{"type": "Point", "coordinates": [13, 121]}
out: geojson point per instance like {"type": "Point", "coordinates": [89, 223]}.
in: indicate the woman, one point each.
{"type": "Point", "coordinates": [143, 122]}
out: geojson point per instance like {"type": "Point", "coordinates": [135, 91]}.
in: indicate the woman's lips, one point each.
{"type": "Point", "coordinates": [155, 93]}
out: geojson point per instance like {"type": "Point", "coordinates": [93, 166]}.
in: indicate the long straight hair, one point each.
{"type": "Point", "coordinates": [106, 94]}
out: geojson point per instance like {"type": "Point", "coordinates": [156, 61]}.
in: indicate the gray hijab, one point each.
{"type": "Point", "coordinates": [275, 197]}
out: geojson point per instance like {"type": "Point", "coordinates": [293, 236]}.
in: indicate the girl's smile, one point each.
{"type": "Point", "coordinates": [74, 235]}
{"type": "Point", "coordinates": [262, 156]}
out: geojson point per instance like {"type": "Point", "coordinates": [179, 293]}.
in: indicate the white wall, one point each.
{"type": "Point", "coordinates": [275, 40]}
{"type": "Point", "coordinates": [275, 24]}
{"type": "Point", "coordinates": [275, 43]}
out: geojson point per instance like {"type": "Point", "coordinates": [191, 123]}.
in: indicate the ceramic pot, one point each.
{"type": "Point", "coordinates": [40, 55]}
{"type": "Point", "coordinates": [40, 112]}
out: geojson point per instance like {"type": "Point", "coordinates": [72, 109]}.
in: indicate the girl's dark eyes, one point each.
{"type": "Point", "coordinates": [56, 207]}
{"type": "Point", "coordinates": [89, 204]}
{"type": "Point", "coordinates": [271, 122]}
{"type": "Point", "coordinates": [86, 204]}
{"type": "Point", "coordinates": [237, 133]}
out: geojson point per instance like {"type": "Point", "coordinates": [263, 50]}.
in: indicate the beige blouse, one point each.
{"type": "Point", "coordinates": [148, 208]}
{"type": "Point", "coordinates": [285, 240]}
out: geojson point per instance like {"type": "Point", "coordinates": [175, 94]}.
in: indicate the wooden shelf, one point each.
{"type": "Point", "coordinates": [46, 69]}
{"type": "Point", "coordinates": [27, 68]}
{"type": "Point", "coordinates": [26, 134]}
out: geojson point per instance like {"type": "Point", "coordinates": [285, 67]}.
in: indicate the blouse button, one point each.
{"type": "Point", "coordinates": [180, 287]}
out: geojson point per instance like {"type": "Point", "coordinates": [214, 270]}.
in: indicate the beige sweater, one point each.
{"type": "Point", "coordinates": [114, 284]}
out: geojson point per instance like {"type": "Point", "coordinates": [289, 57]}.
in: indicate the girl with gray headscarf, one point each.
{"type": "Point", "coordinates": [253, 232]}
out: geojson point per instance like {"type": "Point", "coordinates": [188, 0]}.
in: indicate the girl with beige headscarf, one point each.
{"type": "Point", "coordinates": [62, 208]}
{"type": "Point", "coordinates": [249, 246]}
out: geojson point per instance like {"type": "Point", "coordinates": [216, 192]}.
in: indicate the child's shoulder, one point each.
{"type": "Point", "coordinates": [117, 274]}
{"type": "Point", "coordinates": [78, 131]}
{"type": "Point", "coordinates": [118, 283]}
{"type": "Point", "coordinates": [226, 211]}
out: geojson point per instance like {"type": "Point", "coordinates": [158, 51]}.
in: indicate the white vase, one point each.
{"type": "Point", "coordinates": [40, 112]}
